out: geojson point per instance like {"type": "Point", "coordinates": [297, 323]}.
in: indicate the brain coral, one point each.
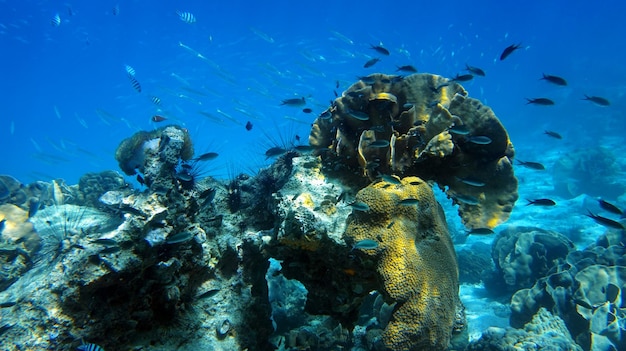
{"type": "Point", "coordinates": [416, 261]}
{"type": "Point", "coordinates": [421, 125]}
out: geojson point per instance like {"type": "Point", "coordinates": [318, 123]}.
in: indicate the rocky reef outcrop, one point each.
{"type": "Point", "coordinates": [185, 262]}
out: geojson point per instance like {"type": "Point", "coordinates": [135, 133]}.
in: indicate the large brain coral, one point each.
{"type": "Point", "coordinates": [416, 262]}
{"type": "Point", "coordinates": [422, 125]}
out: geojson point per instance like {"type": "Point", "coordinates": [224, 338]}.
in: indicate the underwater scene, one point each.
{"type": "Point", "coordinates": [287, 175]}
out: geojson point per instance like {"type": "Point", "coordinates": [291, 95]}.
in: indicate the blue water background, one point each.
{"type": "Point", "coordinates": [66, 101]}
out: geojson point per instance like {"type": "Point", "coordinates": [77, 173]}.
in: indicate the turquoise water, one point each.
{"type": "Point", "coordinates": [67, 101]}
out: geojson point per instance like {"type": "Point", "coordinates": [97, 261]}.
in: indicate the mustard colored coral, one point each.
{"type": "Point", "coordinates": [427, 126]}
{"type": "Point", "coordinates": [416, 261]}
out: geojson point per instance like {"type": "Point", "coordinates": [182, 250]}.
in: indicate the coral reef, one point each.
{"type": "Point", "coordinates": [568, 293]}
{"type": "Point", "coordinates": [544, 332]}
{"type": "Point", "coordinates": [524, 254]}
{"type": "Point", "coordinates": [415, 261]}
{"type": "Point", "coordinates": [421, 125]}
{"type": "Point", "coordinates": [156, 155]}
{"type": "Point", "coordinates": [92, 186]}
{"type": "Point", "coordinates": [185, 263]}
{"type": "Point", "coordinates": [411, 261]}
{"type": "Point", "coordinates": [593, 171]}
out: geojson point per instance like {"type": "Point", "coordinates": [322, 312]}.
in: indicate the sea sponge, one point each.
{"type": "Point", "coordinates": [416, 262]}
{"type": "Point", "coordinates": [422, 125]}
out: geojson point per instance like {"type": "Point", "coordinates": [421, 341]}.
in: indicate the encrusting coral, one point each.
{"type": "Point", "coordinates": [421, 125]}
{"type": "Point", "coordinates": [416, 262]}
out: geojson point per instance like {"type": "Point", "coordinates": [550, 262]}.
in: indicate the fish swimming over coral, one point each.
{"type": "Point", "coordinates": [541, 202]}
{"type": "Point", "coordinates": [607, 222]}
{"type": "Point", "coordinates": [406, 68]}
{"type": "Point", "coordinates": [532, 165]}
{"type": "Point", "coordinates": [371, 62]}
{"type": "Point", "coordinates": [474, 70]}
{"type": "Point", "coordinates": [609, 207]}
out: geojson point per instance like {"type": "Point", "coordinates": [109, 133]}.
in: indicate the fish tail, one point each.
{"type": "Point", "coordinates": [530, 202]}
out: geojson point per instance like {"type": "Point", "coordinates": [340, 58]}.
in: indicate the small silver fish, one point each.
{"type": "Point", "coordinates": [459, 130]}
{"type": "Point", "coordinates": [361, 116]}
{"type": "Point", "coordinates": [479, 140]}
{"type": "Point", "coordinates": [408, 202]}
{"type": "Point", "coordinates": [466, 199]}
{"type": "Point", "coordinates": [360, 206]}
{"type": "Point", "coordinates": [179, 238]}
{"type": "Point", "coordinates": [379, 144]}
{"type": "Point", "coordinates": [365, 244]}
{"type": "Point", "coordinates": [470, 181]}
{"type": "Point", "coordinates": [390, 179]}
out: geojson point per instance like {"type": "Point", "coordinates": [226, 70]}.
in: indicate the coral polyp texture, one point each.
{"type": "Point", "coordinates": [422, 125]}
{"type": "Point", "coordinates": [416, 262]}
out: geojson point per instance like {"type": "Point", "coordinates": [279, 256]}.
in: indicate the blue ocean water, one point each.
{"type": "Point", "coordinates": [67, 101]}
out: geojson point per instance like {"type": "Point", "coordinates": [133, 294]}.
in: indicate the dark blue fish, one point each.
{"type": "Point", "coordinates": [597, 100]}
{"type": "Point", "coordinates": [480, 231]}
{"type": "Point", "coordinates": [474, 70]}
{"type": "Point", "coordinates": [554, 79]}
{"type": "Point", "coordinates": [552, 134]}
{"type": "Point", "coordinates": [371, 62]}
{"type": "Point", "coordinates": [366, 244]}
{"type": "Point", "coordinates": [462, 78]}
{"type": "Point", "coordinates": [606, 221]}
{"type": "Point", "coordinates": [607, 206]}
{"type": "Point", "coordinates": [407, 68]}
{"type": "Point", "coordinates": [541, 202]}
{"type": "Point", "coordinates": [540, 101]}
{"type": "Point", "coordinates": [379, 49]}
{"type": "Point", "coordinates": [294, 102]}
{"type": "Point", "coordinates": [509, 50]}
